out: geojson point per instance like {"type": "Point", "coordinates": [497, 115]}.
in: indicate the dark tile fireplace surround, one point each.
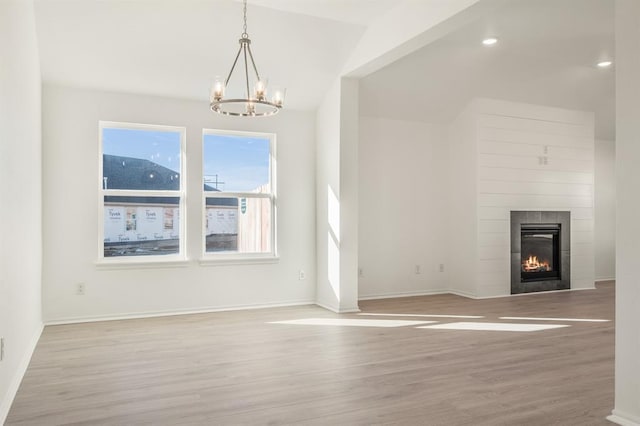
{"type": "Point", "coordinates": [540, 251]}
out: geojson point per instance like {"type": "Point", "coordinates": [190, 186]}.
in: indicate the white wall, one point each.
{"type": "Point", "coordinates": [434, 194]}
{"type": "Point", "coordinates": [605, 210]}
{"type": "Point", "coordinates": [627, 368]}
{"type": "Point", "coordinates": [462, 212]}
{"type": "Point", "coordinates": [20, 195]}
{"type": "Point", "coordinates": [403, 206]}
{"type": "Point", "coordinates": [70, 148]}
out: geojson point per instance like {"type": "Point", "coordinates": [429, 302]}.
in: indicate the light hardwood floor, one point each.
{"type": "Point", "coordinates": [235, 368]}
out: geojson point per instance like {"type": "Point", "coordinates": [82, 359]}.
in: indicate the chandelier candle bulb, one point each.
{"type": "Point", "coordinates": [217, 91]}
{"type": "Point", "coordinates": [260, 89]}
{"type": "Point", "coordinates": [278, 96]}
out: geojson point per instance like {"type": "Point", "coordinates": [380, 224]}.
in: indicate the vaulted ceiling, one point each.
{"type": "Point", "coordinates": [546, 53]}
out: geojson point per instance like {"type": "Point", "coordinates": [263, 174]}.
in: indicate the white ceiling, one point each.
{"type": "Point", "coordinates": [546, 55]}
{"type": "Point", "coordinates": [174, 48]}
{"type": "Point", "coordinates": [358, 12]}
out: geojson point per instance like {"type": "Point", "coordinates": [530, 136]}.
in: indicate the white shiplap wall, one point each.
{"type": "Point", "coordinates": [532, 157]}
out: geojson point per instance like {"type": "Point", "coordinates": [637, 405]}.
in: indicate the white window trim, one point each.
{"type": "Point", "coordinates": [234, 258]}
{"type": "Point", "coordinates": [179, 259]}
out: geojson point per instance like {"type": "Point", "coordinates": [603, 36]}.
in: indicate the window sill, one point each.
{"type": "Point", "coordinates": [222, 260]}
{"type": "Point", "coordinates": [106, 265]}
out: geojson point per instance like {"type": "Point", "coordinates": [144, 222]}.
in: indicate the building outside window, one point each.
{"type": "Point", "coordinates": [141, 191]}
{"type": "Point", "coordinates": [239, 194]}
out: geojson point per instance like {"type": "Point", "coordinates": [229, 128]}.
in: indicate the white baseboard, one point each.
{"type": "Point", "coordinates": [402, 294]}
{"type": "Point", "coordinates": [152, 314]}
{"type": "Point", "coordinates": [338, 310]}
{"type": "Point", "coordinates": [605, 279]}
{"type": "Point", "coordinates": [623, 419]}
{"type": "Point", "coordinates": [14, 385]}
{"type": "Point", "coordinates": [462, 294]}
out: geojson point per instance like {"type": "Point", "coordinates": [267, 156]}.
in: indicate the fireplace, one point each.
{"type": "Point", "coordinates": [540, 251]}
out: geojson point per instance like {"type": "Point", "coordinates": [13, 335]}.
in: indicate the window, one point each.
{"type": "Point", "coordinates": [239, 194]}
{"type": "Point", "coordinates": [141, 192]}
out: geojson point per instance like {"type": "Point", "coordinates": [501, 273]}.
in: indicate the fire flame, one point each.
{"type": "Point", "coordinates": [532, 264]}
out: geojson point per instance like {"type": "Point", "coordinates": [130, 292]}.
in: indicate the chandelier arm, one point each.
{"type": "Point", "coordinates": [233, 66]}
{"type": "Point", "coordinates": [246, 71]}
{"type": "Point", "coordinates": [253, 63]}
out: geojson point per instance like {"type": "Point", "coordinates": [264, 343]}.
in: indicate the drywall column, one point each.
{"type": "Point", "coordinates": [627, 376]}
{"type": "Point", "coordinates": [337, 198]}
{"type": "Point", "coordinates": [349, 134]}
{"type": "Point", "coordinates": [604, 190]}
{"type": "Point", "coordinates": [21, 193]}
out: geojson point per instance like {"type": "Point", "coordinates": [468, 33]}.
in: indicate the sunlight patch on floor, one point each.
{"type": "Point", "coordinates": [352, 322]}
{"type": "Point", "coordinates": [554, 319]}
{"type": "Point", "coordinates": [422, 315]}
{"type": "Point", "coordinates": [493, 326]}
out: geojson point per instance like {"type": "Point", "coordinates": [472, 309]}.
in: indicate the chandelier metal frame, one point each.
{"type": "Point", "coordinates": [252, 106]}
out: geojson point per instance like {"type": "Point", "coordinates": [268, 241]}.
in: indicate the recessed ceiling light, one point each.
{"type": "Point", "coordinates": [489, 41]}
{"type": "Point", "coordinates": [605, 64]}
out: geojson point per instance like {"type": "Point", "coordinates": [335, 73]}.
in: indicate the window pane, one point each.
{"type": "Point", "coordinates": [141, 226]}
{"type": "Point", "coordinates": [236, 163]}
{"type": "Point", "coordinates": [240, 225]}
{"type": "Point", "coordinates": [140, 159]}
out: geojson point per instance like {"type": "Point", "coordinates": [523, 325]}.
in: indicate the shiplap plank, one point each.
{"type": "Point", "coordinates": [493, 239]}
{"type": "Point", "coordinates": [495, 252]}
{"type": "Point", "coordinates": [520, 136]}
{"type": "Point", "coordinates": [494, 265]}
{"type": "Point", "coordinates": [582, 283]}
{"type": "Point", "coordinates": [582, 225]}
{"type": "Point", "coordinates": [581, 237]}
{"type": "Point", "coordinates": [582, 250]}
{"type": "Point", "coordinates": [542, 176]}
{"type": "Point", "coordinates": [529, 188]}
{"type": "Point", "coordinates": [500, 107]}
{"type": "Point", "coordinates": [495, 279]}
{"type": "Point", "coordinates": [581, 269]}
{"type": "Point", "coordinates": [501, 225]}
{"type": "Point", "coordinates": [534, 163]}
{"type": "Point", "coordinates": [582, 213]}
{"type": "Point", "coordinates": [493, 213]}
{"type": "Point", "coordinates": [534, 150]}
{"type": "Point", "coordinates": [535, 126]}
{"type": "Point", "coordinates": [534, 202]}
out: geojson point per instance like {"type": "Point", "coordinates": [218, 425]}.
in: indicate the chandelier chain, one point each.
{"type": "Point", "coordinates": [244, 11]}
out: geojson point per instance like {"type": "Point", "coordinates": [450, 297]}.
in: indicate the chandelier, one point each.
{"type": "Point", "coordinates": [255, 103]}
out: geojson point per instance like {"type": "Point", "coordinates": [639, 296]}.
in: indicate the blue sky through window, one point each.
{"type": "Point", "coordinates": [160, 147]}
{"type": "Point", "coordinates": [241, 162]}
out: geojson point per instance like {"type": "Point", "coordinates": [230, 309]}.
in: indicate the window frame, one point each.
{"type": "Point", "coordinates": [232, 257]}
{"type": "Point", "coordinates": [169, 259]}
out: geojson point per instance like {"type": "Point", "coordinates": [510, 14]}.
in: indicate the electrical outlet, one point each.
{"type": "Point", "coordinates": [301, 275]}
{"type": "Point", "coordinates": [418, 269]}
{"type": "Point", "coordinates": [80, 289]}
{"type": "Point", "coordinates": [441, 267]}
{"type": "Point", "coordinates": [1, 348]}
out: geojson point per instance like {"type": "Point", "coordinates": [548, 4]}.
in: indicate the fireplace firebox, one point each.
{"type": "Point", "coordinates": [540, 251]}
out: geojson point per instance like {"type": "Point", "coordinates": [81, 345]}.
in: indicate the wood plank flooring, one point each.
{"type": "Point", "coordinates": [235, 368]}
